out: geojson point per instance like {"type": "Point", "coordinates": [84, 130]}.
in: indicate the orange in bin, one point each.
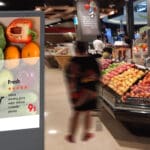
{"type": "Point", "coordinates": [12, 55]}
{"type": "Point", "coordinates": [32, 52]}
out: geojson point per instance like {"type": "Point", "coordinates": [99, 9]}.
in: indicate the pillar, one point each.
{"type": "Point", "coordinates": [130, 18]}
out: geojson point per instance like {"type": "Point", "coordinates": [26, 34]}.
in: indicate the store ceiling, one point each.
{"type": "Point", "coordinates": [19, 4]}
{"type": "Point", "coordinates": [62, 10]}
{"type": "Point", "coordinates": [59, 2]}
{"type": "Point", "coordinates": [101, 3]}
{"type": "Point", "coordinates": [140, 13]}
{"type": "Point", "coordinates": [58, 11]}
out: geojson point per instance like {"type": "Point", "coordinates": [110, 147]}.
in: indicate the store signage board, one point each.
{"type": "Point", "coordinates": [21, 81]}
{"type": "Point", "coordinates": [88, 20]}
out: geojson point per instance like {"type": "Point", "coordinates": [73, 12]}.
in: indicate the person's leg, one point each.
{"type": "Point", "coordinates": [87, 121]}
{"type": "Point", "coordinates": [74, 121]}
{"type": "Point", "coordinates": [87, 126]}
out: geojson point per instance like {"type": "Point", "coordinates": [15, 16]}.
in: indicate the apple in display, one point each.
{"type": "Point", "coordinates": [5, 75]}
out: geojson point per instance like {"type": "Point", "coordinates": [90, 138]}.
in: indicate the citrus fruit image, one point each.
{"type": "Point", "coordinates": [12, 55]}
{"type": "Point", "coordinates": [31, 53]}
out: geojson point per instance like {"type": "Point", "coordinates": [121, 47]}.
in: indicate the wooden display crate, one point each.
{"type": "Point", "coordinates": [62, 60]}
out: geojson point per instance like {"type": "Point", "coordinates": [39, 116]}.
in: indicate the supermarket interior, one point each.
{"type": "Point", "coordinates": [122, 118]}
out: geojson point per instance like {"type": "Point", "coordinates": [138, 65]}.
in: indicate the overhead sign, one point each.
{"type": "Point", "coordinates": [88, 20]}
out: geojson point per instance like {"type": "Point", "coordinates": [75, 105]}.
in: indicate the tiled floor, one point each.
{"type": "Point", "coordinates": [110, 134]}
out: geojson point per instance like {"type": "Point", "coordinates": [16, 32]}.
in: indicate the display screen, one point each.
{"type": "Point", "coordinates": [141, 7]}
{"type": "Point", "coordinates": [20, 50]}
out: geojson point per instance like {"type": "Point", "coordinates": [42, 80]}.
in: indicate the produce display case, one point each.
{"type": "Point", "coordinates": [133, 104]}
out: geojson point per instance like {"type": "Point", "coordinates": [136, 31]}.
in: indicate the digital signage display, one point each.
{"type": "Point", "coordinates": [20, 50]}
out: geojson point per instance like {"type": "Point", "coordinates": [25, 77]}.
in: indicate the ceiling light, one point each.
{"type": "Point", "coordinates": [112, 12]}
{"type": "Point", "coordinates": [38, 9]}
{"type": "Point", "coordinates": [103, 15]}
{"type": "Point", "coordinates": [2, 3]}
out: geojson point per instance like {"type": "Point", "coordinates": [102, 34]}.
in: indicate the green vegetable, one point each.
{"type": "Point", "coordinates": [1, 58]}
{"type": "Point", "coordinates": [2, 38]}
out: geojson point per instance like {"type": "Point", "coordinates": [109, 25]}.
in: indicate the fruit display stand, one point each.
{"type": "Point", "coordinates": [121, 51]}
{"type": "Point", "coordinates": [61, 55]}
{"type": "Point", "coordinates": [62, 60]}
{"type": "Point", "coordinates": [125, 93]}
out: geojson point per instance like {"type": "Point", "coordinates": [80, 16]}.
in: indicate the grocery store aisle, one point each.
{"type": "Point", "coordinates": [110, 134]}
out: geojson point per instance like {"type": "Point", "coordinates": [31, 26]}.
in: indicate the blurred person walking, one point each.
{"type": "Point", "coordinates": [82, 78]}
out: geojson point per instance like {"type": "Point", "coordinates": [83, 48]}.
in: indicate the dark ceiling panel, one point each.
{"type": "Point", "coordinates": [20, 4]}
{"type": "Point", "coordinates": [111, 3]}
{"type": "Point", "coordinates": [59, 2]}
{"type": "Point", "coordinates": [118, 4]}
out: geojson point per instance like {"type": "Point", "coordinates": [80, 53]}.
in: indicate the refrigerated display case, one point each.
{"type": "Point", "coordinates": [125, 92]}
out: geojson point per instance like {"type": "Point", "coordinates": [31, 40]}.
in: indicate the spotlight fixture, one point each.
{"type": "Point", "coordinates": [2, 3]}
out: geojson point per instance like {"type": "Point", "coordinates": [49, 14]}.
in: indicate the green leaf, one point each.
{"type": "Point", "coordinates": [2, 38]}
{"type": "Point", "coordinates": [33, 34]}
